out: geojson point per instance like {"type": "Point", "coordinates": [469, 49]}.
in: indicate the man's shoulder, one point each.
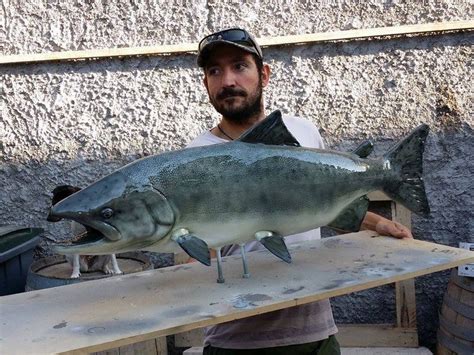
{"type": "Point", "coordinates": [205, 138]}
{"type": "Point", "coordinates": [305, 131]}
{"type": "Point", "coordinates": [297, 120]}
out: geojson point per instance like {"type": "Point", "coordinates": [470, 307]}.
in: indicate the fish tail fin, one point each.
{"type": "Point", "coordinates": [406, 160]}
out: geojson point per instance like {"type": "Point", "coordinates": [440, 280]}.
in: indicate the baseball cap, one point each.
{"type": "Point", "coordinates": [237, 37]}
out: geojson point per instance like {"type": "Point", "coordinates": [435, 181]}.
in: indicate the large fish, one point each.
{"type": "Point", "coordinates": [262, 186]}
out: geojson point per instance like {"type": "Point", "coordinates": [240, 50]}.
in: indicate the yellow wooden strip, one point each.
{"type": "Point", "coordinates": [181, 258]}
{"type": "Point", "coordinates": [369, 32]}
{"type": "Point", "coordinates": [265, 41]}
{"type": "Point", "coordinates": [98, 53]}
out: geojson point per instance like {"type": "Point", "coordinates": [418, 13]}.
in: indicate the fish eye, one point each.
{"type": "Point", "coordinates": [107, 212]}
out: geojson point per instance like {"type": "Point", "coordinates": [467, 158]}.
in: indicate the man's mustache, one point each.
{"type": "Point", "coordinates": [228, 92]}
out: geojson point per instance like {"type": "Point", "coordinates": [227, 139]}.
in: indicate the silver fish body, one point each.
{"type": "Point", "coordinates": [229, 193]}
{"type": "Point", "coordinates": [226, 193]}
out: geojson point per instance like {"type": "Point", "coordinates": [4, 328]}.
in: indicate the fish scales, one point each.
{"type": "Point", "coordinates": [284, 189]}
{"type": "Point", "coordinates": [263, 186]}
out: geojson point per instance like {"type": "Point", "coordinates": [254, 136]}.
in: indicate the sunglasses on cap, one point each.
{"type": "Point", "coordinates": [234, 36]}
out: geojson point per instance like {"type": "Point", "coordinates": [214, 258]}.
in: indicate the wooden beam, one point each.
{"type": "Point", "coordinates": [405, 298]}
{"type": "Point", "coordinates": [349, 335]}
{"type": "Point", "coordinates": [436, 27]}
{"type": "Point", "coordinates": [98, 53]}
{"type": "Point", "coordinates": [369, 32]}
{"type": "Point", "coordinates": [378, 196]}
{"type": "Point", "coordinates": [359, 335]}
{"type": "Point", "coordinates": [156, 346]}
{"type": "Point", "coordinates": [193, 337]}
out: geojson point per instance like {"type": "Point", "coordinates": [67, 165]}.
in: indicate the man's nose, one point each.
{"type": "Point", "coordinates": [228, 78]}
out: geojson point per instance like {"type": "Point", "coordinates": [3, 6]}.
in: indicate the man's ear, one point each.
{"type": "Point", "coordinates": [265, 74]}
{"type": "Point", "coordinates": [204, 81]}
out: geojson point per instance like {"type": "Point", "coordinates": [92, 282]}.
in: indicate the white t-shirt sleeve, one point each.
{"type": "Point", "coordinates": [205, 138]}
{"type": "Point", "coordinates": [305, 132]}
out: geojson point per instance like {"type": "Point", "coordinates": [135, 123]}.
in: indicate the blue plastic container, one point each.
{"type": "Point", "coordinates": [16, 255]}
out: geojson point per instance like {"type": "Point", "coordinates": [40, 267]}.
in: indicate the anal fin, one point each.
{"type": "Point", "coordinates": [193, 246]}
{"type": "Point", "coordinates": [350, 219]}
{"type": "Point", "coordinates": [275, 243]}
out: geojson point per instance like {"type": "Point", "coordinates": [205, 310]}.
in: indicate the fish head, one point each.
{"type": "Point", "coordinates": [120, 215]}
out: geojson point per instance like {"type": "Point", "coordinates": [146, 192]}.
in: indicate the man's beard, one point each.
{"type": "Point", "coordinates": [251, 107]}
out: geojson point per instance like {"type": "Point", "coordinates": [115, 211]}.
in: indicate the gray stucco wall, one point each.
{"type": "Point", "coordinates": [73, 122]}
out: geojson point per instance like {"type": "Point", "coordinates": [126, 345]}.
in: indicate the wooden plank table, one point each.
{"type": "Point", "coordinates": [122, 310]}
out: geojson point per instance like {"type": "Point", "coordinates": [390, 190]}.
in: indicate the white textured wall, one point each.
{"type": "Point", "coordinates": [73, 122]}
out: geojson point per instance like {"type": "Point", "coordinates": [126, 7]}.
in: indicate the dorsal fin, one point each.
{"type": "Point", "coordinates": [271, 131]}
{"type": "Point", "coordinates": [364, 149]}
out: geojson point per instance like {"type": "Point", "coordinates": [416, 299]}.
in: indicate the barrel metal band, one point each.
{"type": "Point", "coordinates": [463, 282]}
{"type": "Point", "coordinates": [461, 308]}
{"type": "Point", "coordinates": [453, 345]}
{"type": "Point", "coordinates": [456, 329]}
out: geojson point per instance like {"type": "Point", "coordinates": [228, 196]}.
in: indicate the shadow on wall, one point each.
{"type": "Point", "coordinates": [183, 61]}
{"type": "Point", "coordinates": [369, 47]}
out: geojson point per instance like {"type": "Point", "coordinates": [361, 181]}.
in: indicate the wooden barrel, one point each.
{"type": "Point", "coordinates": [456, 329]}
{"type": "Point", "coordinates": [56, 271]}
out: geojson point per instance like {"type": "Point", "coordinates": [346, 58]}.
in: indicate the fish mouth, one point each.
{"type": "Point", "coordinates": [90, 236]}
{"type": "Point", "coordinates": [92, 239]}
{"type": "Point", "coordinates": [106, 230]}
{"type": "Point", "coordinates": [94, 226]}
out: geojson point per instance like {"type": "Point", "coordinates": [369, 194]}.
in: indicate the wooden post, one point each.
{"type": "Point", "coordinates": [404, 290]}
{"type": "Point", "coordinates": [155, 346]}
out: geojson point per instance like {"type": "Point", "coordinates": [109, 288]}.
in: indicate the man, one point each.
{"type": "Point", "coordinates": [234, 76]}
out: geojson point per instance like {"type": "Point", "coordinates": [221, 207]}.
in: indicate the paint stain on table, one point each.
{"type": "Point", "coordinates": [248, 300]}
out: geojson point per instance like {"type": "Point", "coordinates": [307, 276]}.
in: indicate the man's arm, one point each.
{"type": "Point", "coordinates": [385, 226]}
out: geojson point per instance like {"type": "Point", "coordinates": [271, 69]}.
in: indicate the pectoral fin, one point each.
{"type": "Point", "coordinates": [275, 244]}
{"type": "Point", "coordinates": [193, 246]}
{"type": "Point", "coordinates": [351, 217]}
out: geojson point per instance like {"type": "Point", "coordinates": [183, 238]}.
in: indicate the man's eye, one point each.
{"type": "Point", "coordinates": [213, 71]}
{"type": "Point", "coordinates": [241, 66]}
